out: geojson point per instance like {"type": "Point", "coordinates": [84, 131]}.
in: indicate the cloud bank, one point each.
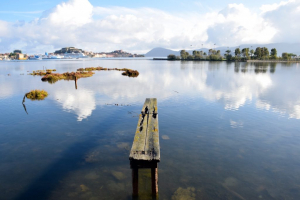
{"type": "Point", "coordinates": [79, 23]}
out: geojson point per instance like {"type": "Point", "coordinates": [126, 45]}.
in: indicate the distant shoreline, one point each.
{"type": "Point", "coordinates": [261, 61]}
{"type": "Point", "coordinates": [275, 61]}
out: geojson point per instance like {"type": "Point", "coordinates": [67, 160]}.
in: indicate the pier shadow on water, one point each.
{"type": "Point", "coordinates": [49, 181]}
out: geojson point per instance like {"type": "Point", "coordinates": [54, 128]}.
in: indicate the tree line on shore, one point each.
{"type": "Point", "coordinates": [260, 53]}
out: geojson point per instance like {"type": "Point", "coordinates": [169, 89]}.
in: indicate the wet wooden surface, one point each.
{"type": "Point", "coordinates": [146, 140]}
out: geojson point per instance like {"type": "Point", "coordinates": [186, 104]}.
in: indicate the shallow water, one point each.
{"type": "Point", "coordinates": [227, 130]}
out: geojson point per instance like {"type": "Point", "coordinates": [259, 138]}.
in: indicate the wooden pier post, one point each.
{"type": "Point", "coordinates": [135, 181]}
{"type": "Point", "coordinates": [145, 151]}
{"type": "Point", "coordinates": [154, 180]}
{"type": "Point", "coordinates": [75, 82]}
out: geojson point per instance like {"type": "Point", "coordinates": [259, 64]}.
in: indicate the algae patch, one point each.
{"type": "Point", "coordinates": [118, 175]}
{"type": "Point", "coordinates": [53, 77]}
{"type": "Point", "coordinates": [184, 194]}
{"type": "Point", "coordinates": [84, 188]}
{"type": "Point", "coordinates": [126, 72]}
{"type": "Point", "coordinates": [36, 95]}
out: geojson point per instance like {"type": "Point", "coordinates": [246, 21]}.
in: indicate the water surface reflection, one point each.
{"type": "Point", "coordinates": [228, 130]}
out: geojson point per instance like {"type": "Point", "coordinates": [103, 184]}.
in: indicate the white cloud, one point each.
{"type": "Point", "coordinates": [71, 13]}
{"type": "Point", "coordinates": [270, 7]}
{"type": "Point", "coordinates": [78, 23]}
{"type": "Point", "coordinates": [237, 24]}
{"type": "Point", "coordinates": [285, 19]}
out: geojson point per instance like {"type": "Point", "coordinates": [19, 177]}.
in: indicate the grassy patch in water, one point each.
{"type": "Point", "coordinates": [36, 95]}
{"type": "Point", "coordinates": [131, 73]}
{"type": "Point", "coordinates": [53, 77]}
{"type": "Point", "coordinates": [42, 72]}
{"type": "Point", "coordinates": [126, 72]}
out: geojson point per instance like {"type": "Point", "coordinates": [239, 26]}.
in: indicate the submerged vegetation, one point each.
{"type": "Point", "coordinates": [130, 73]}
{"type": "Point", "coordinates": [42, 72]}
{"type": "Point", "coordinates": [36, 95]}
{"type": "Point", "coordinates": [53, 77]}
{"type": "Point", "coordinates": [126, 72]}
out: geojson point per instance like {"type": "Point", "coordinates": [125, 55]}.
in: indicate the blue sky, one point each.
{"type": "Point", "coordinates": [29, 9]}
{"type": "Point", "coordinates": [139, 26]}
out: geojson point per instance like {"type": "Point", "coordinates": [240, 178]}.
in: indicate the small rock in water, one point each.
{"type": "Point", "coordinates": [165, 137]}
{"type": "Point", "coordinates": [184, 194]}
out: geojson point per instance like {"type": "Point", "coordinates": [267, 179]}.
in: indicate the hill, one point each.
{"type": "Point", "coordinates": [161, 52]}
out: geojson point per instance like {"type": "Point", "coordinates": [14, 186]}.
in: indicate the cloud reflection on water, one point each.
{"type": "Point", "coordinates": [231, 85]}
{"type": "Point", "coordinates": [230, 89]}
{"type": "Point", "coordinates": [81, 102]}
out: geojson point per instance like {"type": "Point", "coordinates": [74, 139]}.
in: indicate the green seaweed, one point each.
{"type": "Point", "coordinates": [36, 95]}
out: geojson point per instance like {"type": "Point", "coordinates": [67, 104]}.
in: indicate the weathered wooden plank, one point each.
{"type": "Point", "coordinates": [152, 138]}
{"type": "Point", "coordinates": [138, 146]}
{"type": "Point", "coordinates": [153, 106]}
{"type": "Point", "coordinates": [146, 106]}
{"type": "Point", "coordinates": [146, 141]}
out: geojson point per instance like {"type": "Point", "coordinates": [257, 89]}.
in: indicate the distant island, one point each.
{"type": "Point", "coordinates": [66, 53]}
{"type": "Point", "coordinates": [113, 54]}
{"type": "Point", "coordinates": [260, 53]}
{"type": "Point", "coordinates": [292, 48]}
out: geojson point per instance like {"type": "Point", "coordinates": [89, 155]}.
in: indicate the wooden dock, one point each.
{"type": "Point", "coordinates": [145, 151]}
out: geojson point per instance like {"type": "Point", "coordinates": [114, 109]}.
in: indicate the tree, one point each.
{"type": "Point", "coordinates": [265, 53]}
{"type": "Point", "coordinates": [184, 54]}
{"type": "Point", "coordinates": [228, 52]}
{"type": "Point", "coordinates": [245, 52]}
{"type": "Point", "coordinates": [285, 56]}
{"type": "Point", "coordinates": [291, 55]}
{"type": "Point", "coordinates": [197, 57]}
{"type": "Point", "coordinates": [190, 57]}
{"type": "Point", "coordinates": [237, 52]}
{"type": "Point", "coordinates": [273, 53]}
{"type": "Point", "coordinates": [195, 53]}
{"type": "Point", "coordinates": [252, 52]}
{"type": "Point", "coordinates": [171, 57]}
{"type": "Point", "coordinates": [258, 53]}
{"type": "Point", "coordinates": [204, 54]}
{"type": "Point", "coordinates": [228, 55]}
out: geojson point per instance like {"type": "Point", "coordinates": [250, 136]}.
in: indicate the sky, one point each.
{"type": "Point", "coordinates": [138, 26]}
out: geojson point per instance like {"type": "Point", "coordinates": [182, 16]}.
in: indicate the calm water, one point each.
{"type": "Point", "coordinates": [227, 131]}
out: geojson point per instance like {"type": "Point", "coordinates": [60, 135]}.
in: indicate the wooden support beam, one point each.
{"type": "Point", "coordinates": [154, 181]}
{"type": "Point", "coordinates": [135, 181]}
{"type": "Point", "coordinates": [75, 82]}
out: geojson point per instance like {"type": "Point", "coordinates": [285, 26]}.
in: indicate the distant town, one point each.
{"type": "Point", "coordinates": [66, 53]}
